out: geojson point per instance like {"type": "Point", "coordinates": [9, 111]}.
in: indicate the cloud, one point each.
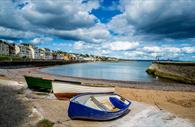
{"type": "Point", "coordinates": [121, 45]}
{"type": "Point", "coordinates": [140, 28]}
{"type": "Point", "coordinates": [41, 40]}
{"type": "Point", "coordinates": [96, 34]}
{"type": "Point", "coordinates": [63, 15]}
{"type": "Point", "coordinates": [158, 49]}
{"type": "Point", "coordinates": [120, 25]}
{"type": "Point", "coordinates": [61, 18]}
{"type": "Point", "coordinates": [10, 16]}
{"type": "Point", "coordinates": [162, 52]}
{"type": "Point", "coordinates": [164, 18]}
{"type": "Point", "coordinates": [78, 45]}
{"type": "Point", "coordinates": [136, 55]}
{"type": "Point", "coordinates": [102, 52]}
{"type": "Point", "coordinates": [91, 4]}
{"type": "Point", "coordinates": [188, 49]}
{"type": "Point", "coordinates": [15, 34]}
{"type": "Point", "coordinates": [152, 49]}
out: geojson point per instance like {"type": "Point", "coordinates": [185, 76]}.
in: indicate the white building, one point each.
{"type": "Point", "coordinates": [42, 53]}
{"type": "Point", "coordinates": [32, 52]}
{"type": "Point", "coordinates": [14, 49]}
{"type": "Point", "coordinates": [17, 49]}
{"type": "Point", "coordinates": [47, 53]}
{"type": "Point", "coordinates": [36, 53]}
{"type": "Point", "coordinates": [27, 51]}
{"type": "Point", "coordinates": [4, 48]}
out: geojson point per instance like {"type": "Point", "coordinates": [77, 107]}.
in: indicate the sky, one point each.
{"type": "Point", "coordinates": [129, 29]}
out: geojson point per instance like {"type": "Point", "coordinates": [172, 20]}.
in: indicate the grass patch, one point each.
{"type": "Point", "coordinates": [11, 58]}
{"type": "Point", "coordinates": [45, 123]}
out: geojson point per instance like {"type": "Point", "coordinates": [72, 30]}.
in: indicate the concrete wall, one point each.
{"type": "Point", "coordinates": [179, 71]}
{"type": "Point", "coordinates": [20, 64]}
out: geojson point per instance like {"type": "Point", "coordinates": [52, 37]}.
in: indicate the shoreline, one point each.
{"type": "Point", "coordinates": [176, 98]}
{"type": "Point", "coordinates": [17, 75]}
{"type": "Point", "coordinates": [158, 84]}
{"type": "Point", "coordinates": [154, 85]}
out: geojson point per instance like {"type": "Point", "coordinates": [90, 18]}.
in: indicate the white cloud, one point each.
{"type": "Point", "coordinates": [63, 15]}
{"type": "Point", "coordinates": [135, 55]}
{"type": "Point", "coordinates": [13, 33]}
{"type": "Point", "coordinates": [119, 25]}
{"type": "Point", "coordinates": [188, 49]}
{"type": "Point", "coordinates": [171, 49]}
{"type": "Point", "coordinates": [152, 49]}
{"type": "Point", "coordinates": [41, 40]}
{"type": "Point", "coordinates": [10, 16]}
{"type": "Point", "coordinates": [78, 45]}
{"type": "Point", "coordinates": [162, 52]}
{"type": "Point", "coordinates": [93, 4]}
{"type": "Point", "coordinates": [73, 20]}
{"type": "Point", "coordinates": [95, 34]}
{"type": "Point", "coordinates": [101, 52]}
{"type": "Point", "coordinates": [163, 18]}
{"type": "Point", "coordinates": [125, 45]}
{"type": "Point", "coordinates": [60, 18]}
{"type": "Point", "coordinates": [158, 49]}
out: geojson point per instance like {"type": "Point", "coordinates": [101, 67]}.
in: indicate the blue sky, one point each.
{"type": "Point", "coordinates": [130, 29]}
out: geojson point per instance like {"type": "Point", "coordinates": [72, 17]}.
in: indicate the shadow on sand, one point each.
{"type": "Point", "coordinates": [13, 111]}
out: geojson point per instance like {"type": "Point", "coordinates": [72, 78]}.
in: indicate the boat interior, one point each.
{"type": "Point", "coordinates": [103, 102]}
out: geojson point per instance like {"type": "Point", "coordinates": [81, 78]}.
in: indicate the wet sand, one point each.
{"type": "Point", "coordinates": [179, 100]}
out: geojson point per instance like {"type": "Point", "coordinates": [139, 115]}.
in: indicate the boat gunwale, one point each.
{"type": "Point", "coordinates": [123, 109]}
{"type": "Point", "coordinates": [38, 78]}
{"type": "Point", "coordinates": [81, 84]}
{"type": "Point", "coordinates": [66, 81]}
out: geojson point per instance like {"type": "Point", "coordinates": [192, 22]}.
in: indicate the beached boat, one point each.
{"type": "Point", "coordinates": [68, 89]}
{"type": "Point", "coordinates": [98, 106]}
{"type": "Point", "coordinates": [37, 83]}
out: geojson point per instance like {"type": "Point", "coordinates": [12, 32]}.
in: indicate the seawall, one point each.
{"type": "Point", "coordinates": [35, 63]}
{"type": "Point", "coordinates": [178, 71]}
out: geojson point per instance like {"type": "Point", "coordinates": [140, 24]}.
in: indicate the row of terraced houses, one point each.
{"type": "Point", "coordinates": [27, 50]}
{"type": "Point", "coordinates": [30, 51]}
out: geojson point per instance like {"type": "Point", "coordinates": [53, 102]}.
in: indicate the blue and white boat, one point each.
{"type": "Point", "coordinates": [98, 106]}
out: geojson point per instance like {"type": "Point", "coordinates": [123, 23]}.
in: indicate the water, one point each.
{"type": "Point", "coordinates": [126, 71]}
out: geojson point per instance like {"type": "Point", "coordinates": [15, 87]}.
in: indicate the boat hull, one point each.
{"type": "Point", "coordinates": [38, 84]}
{"type": "Point", "coordinates": [65, 95]}
{"type": "Point", "coordinates": [66, 89]}
{"type": "Point", "coordinates": [79, 111]}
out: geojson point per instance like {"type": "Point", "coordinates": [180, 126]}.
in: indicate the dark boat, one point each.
{"type": "Point", "coordinates": [98, 106]}
{"type": "Point", "coordinates": [39, 84]}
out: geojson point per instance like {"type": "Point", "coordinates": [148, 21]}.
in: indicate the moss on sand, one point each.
{"type": "Point", "coordinates": [45, 123]}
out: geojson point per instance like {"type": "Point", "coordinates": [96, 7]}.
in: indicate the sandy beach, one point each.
{"type": "Point", "coordinates": [156, 99]}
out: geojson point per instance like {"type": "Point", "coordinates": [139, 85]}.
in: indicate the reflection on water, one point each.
{"type": "Point", "coordinates": [127, 71]}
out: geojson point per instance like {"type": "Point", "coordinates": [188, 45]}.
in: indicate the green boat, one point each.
{"type": "Point", "coordinates": [37, 83]}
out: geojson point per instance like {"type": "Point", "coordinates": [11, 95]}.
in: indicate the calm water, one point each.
{"type": "Point", "coordinates": [127, 71]}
